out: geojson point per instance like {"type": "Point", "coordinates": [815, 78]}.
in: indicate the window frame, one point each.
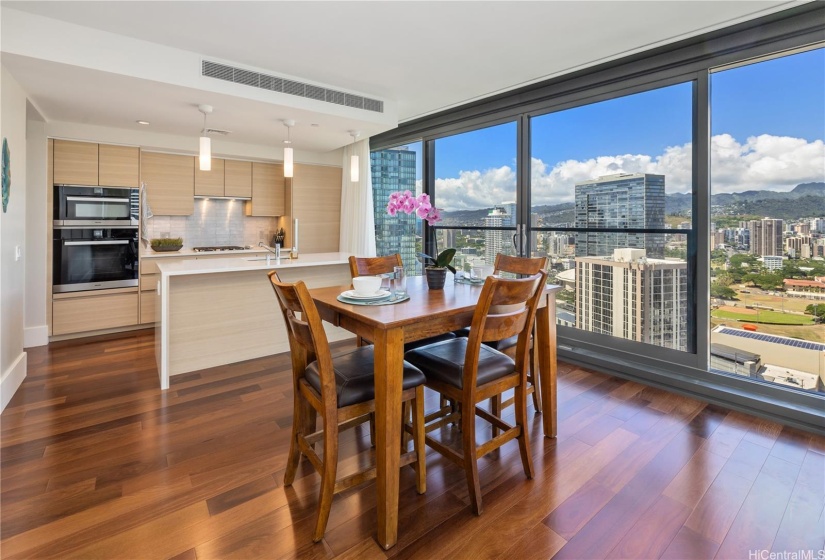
{"type": "Point", "coordinates": [689, 60]}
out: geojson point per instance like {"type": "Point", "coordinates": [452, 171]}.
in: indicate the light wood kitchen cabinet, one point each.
{"type": "Point", "coordinates": [170, 183]}
{"type": "Point", "coordinates": [118, 166]}
{"type": "Point", "coordinates": [237, 178]}
{"type": "Point", "coordinates": [210, 183]}
{"type": "Point", "coordinates": [91, 311]}
{"type": "Point", "coordinates": [148, 307]}
{"type": "Point", "coordinates": [75, 163]}
{"type": "Point", "coordinates": [148, 297]}
{"type": "Point", "coordinates": [267, 190]}
{"type": "Point", "coordinates": [316, 202]}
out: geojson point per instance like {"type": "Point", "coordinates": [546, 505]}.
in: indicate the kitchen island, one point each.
{"type": "Point", "coordinates": [220, 311]}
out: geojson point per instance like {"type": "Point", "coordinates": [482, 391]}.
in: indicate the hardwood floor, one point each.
{"type": "Point", "coordinates": [97, 462]}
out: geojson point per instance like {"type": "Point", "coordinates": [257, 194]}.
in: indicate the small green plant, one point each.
{"type": "Point", "coordinates": [443, 260]}
{"type": "Point", "coordinates": [168, 242]}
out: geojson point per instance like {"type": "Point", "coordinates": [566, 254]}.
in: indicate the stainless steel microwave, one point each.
{"type": "Point", "coordinates": [80, 206]}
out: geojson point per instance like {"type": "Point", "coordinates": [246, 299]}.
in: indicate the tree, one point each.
{"type": "Point", "coordinates": [817, 310]}
{"type": "Point", "coordinates": [723, 292]}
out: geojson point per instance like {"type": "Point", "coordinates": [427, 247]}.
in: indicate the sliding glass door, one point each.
{"type": "Point", "coordinates": [611, 207]}
{"type": "Point", "coordinates": [475, 186]}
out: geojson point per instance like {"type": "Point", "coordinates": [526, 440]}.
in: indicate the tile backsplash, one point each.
{"type": "Point", "coordinates": [214, 222]}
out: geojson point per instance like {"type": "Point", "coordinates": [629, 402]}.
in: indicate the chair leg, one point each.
{"type": "Point", "coordinates": [330, 468]}
{"type": "Point", "coordinates": [523, 437]}
{"type": "Point", "coordinates": [301, 415]}
{"type": "Point", "coordinates": [406, 410]}
{"type": "Point", "coordinates": [534, 376]}
{"type": "Point", "coordinates": [372, 429]}
{"type": "Point", "coordinates": [418, 441]}
{"type": "Point", "coordinates": [495, 410]}
{"type": "Point", "coordinates": [468, 441]}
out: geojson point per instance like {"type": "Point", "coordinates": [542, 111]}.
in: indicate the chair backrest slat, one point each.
{"type": "Point", "coordinates": [370, 266]}
{"type": "Point", "coordinates": [506, 307]}
{"type": "Point", "coordinates": [520, 265]}
{"type": "Point", "coordinates": [306, 333]}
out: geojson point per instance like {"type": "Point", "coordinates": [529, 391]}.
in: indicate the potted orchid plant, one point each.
{"type": "Point", "coordinates": [435, 267]}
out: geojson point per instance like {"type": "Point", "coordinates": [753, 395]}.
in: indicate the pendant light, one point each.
{"type": "Point", "coordinates": [354, 164]}
{"type": "Point", "coordinates": [288, 156]}
{"type": "Point", "coordinates": [205, 151]}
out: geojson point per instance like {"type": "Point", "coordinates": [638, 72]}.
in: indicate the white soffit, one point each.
{"type": "Point", "coordinates": [79, 74]}
{"type": "Point", "coordinates": [417, 57]}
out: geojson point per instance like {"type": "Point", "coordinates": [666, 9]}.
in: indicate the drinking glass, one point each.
{"type": "Point", "coordinates": [399, 282]}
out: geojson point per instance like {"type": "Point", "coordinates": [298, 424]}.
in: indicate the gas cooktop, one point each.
{"type": "Point", "coordinates": [218, 248]}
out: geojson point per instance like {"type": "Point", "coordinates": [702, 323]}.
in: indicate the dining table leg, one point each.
{"type": "Point", "coordinates": [546, 339]}
{"type": "Point", "coordinates": [389, 369]}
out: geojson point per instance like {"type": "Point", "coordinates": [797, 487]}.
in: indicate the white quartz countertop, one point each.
{"type": "Point", "coordinates": [148, 253]}
{"type": "Point", "coordinates": [234, 263]}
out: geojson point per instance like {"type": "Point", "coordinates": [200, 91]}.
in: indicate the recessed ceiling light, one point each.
{"type": "Point", "coordinates": [145, 123]}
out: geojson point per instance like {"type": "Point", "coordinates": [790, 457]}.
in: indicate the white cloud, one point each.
{"type": "Point", "coordinates": [763, 162]}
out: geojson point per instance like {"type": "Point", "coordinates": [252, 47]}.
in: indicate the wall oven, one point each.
{"type": "Point", "coordinates": [94, 258]}
{"type": "Point", "coordinates": [79, 206]}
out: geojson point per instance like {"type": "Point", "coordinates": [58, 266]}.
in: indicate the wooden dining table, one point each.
{"type": "Point", "coordinates": [427, 313]}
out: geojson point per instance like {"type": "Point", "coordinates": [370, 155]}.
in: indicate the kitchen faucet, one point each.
{"type": "Point", "coordinates": [276, 251]}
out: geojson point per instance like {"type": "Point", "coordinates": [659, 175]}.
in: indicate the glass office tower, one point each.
{"type": "Point", "coordinates": [394, 170]}
{"type": "Point", "coordinates": [624, 201]}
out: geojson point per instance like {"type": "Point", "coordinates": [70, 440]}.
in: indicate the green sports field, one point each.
{"type": "Point", "coordinates": [775, 317]}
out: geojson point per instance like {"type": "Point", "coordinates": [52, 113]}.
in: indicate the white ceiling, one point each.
{"type": "Point", "coordinates": [420, 57]}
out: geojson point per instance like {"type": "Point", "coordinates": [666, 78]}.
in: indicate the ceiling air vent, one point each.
{"type": "Point", "coordinates": [218, 131]}
{"type": "Point", "coordinates": [283, 85]}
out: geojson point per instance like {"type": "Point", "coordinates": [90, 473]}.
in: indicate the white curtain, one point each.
{"type": "Point", "coordinates": [357, 220]}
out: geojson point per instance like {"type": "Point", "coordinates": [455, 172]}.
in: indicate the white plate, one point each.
{"type": "Point", "coordinates": [351, 294]}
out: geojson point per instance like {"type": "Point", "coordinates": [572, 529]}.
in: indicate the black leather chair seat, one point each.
{"type": "Point", "coordinates": [444, 362]}
{"type": "Point", "coordinates": [423, 342]}
{"type": "Point", "coordinates": [500, 345]}
{"type": "Point", "coordinates": [354, 376]}
{"type": "Point", "coordinates": [427, 341]}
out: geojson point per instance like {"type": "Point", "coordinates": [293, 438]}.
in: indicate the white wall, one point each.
{"type": "Point", "coordinates": [12, 236]}
{"type": "Point", "coordinates": [36, 331]}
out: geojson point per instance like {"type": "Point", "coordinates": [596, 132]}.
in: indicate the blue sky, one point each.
{"type": "Point", "coordinates": [782, 97]}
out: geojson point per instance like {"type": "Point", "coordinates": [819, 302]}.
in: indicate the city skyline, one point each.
{"type": "Point", "coordinates": [775, 151]}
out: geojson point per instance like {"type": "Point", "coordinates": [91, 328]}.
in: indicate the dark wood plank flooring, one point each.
{"type": "Point", "coordinates": [97, 462]}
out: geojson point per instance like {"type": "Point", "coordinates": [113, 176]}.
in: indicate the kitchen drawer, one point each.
{"type": "Point", "coordinates": [149, 282]}
{"type": "Point", "coordinates": [92, 311]}
{"type": "Point", "coordinates": [148, 266]}
{"type": "Point", "coordinates": [148, 303]}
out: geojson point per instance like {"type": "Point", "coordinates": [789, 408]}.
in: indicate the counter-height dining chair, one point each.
{"type": "Point", "coordinates": [519, 266]}
{"type": "Point", "coordinates": [341, 390]}
{"type": "Point", "coordinates": [466, 371]}
{"type": "Point", "coordinates": [373, 266]}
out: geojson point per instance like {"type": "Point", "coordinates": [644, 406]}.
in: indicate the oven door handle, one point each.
{"type": "Point", "coordinates": [114, 242]}
{"type": "Point", "coordinates": [95, 199]}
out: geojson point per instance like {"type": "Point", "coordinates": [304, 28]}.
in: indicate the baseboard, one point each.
{"type": "Point", "coordinates": [11, 380]}
{"type": "Point", "coordinates": [35, 336]}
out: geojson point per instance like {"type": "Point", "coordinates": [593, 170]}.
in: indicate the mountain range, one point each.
{"type": "Point", "coordinates": [803, 201]}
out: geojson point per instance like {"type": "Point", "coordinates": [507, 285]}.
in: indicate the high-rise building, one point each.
{"type": "Point", "coordinates": [494, 240]}
{"type": "Point", "coordinates": [766, 237]}
{"type": "Point", "coordinates": [630, 296]}
{"type": "Point", "coordinates": [395, 170]}
{"type": "Point", "coordinates": [798, 246]}
{"type": "Point", "coordinates": [558, 244]}
{"type": "Point", "coordinates": [623, 201]}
